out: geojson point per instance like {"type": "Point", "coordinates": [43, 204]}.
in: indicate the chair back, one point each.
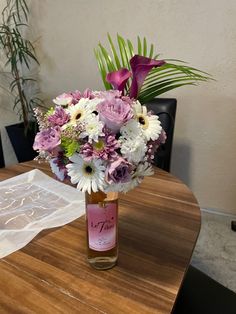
{"type": "Point", "coordinates": [2, 163]}
{"type": "Point", "coordinates": [165, 108]}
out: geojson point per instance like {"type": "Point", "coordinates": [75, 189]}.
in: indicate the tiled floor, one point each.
{"type": "Point", "coordinates": [215, 252]}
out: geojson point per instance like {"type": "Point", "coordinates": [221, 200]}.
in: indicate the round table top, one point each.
{"type": "Point", "coordinates": [159, 222]}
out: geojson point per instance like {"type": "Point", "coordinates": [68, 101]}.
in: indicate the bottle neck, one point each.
{"type": "Point", "coordinates": [96, 197]}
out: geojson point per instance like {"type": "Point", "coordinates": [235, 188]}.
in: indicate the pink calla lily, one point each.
{"type": "Point", "coordinates": [119, 78]}
{"type": "Point", "coordinates": [141, 66]}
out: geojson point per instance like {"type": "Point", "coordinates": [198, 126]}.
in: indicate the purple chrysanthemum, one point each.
{"type": "Point", "coordinates": [58, 166]}
{"type": "Point", "coordinates": [154, 145]}
{"type": "Point", "coordinates": [77, 95]}
{"type": "Point", "coordinates": [105, 148]}
{"type": "Point", "coordinates": [59, 117]}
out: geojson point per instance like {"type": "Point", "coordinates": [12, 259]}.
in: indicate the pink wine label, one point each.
{"type": "Point", "coordinates": [102, 226]}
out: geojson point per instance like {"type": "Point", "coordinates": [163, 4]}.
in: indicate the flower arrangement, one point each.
{"type": "Point", "coordinates": [99, 140]}
{"type": "Point", "coordinates": [106, 140]}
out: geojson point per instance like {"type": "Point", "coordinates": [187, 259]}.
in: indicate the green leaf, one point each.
{"type": "Point", "coordinates": [139, 46]}
{"type": "Point", "coordinates": [107, 59]}
{"type": "Point", "coordinates": [144, 47]}
{"type": "Point", "coordinates": [131, 48]}
{"type": "Point", "coordinates": [151, 51]}
{"type": "Point", "coordinates": [149, 96]}
{"type": "Point", "coordinates": [163, 83]}
{"type": "Point", "coordinates": [124, 52]}
{"type": "Point", "coordinates": [102, 68]}
{"type": "Point", "coordinates": [115, 56]}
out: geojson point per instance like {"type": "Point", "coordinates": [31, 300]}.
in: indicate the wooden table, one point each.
{"type": "Point", "coordinates": [159, 224]}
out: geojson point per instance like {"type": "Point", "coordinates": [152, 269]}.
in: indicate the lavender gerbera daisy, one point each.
{"type": "Point", "coordinates": [105, 148]}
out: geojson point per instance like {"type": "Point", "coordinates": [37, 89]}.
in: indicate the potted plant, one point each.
{"type": "Point", "coordinates": [19, 58]}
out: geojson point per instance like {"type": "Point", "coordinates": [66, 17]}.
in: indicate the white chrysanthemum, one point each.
{"type": "Point", "coordinates": [88, 175]}
{"type": "Point", "coordinates": [93, 128]}
{"type": "Point", "coordinates": [141, 171]}
{"type": "Point", "coordinates": [133, 149]}
{"type": "Point", "coordinates": [150, 124]}
{"type": "Point", "coordinates": [131, 130]}
{"type": "Point", "coordinates": [78, 112]}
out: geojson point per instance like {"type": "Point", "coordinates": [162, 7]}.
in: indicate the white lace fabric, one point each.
{"type": "Point", "coordinates": [32, 202]}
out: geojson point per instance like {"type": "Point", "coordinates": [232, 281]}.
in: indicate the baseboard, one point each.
{"type": "Point", "coordinates": [218, 212]}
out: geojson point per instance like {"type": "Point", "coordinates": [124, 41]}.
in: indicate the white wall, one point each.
{"type": "Point", "coordinates": [202, 32]}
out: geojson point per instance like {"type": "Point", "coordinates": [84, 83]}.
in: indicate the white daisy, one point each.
{"type": "Point", "coordinates": [150, 124]}
{"type": "Point", "coordinates": [133, 149]}
{"type": "Point", "coordinates": [93, 128]}
{"type": "Point", "coordinates": [88, 175]}
{"type": "Point", "coordinates": [78, 112]}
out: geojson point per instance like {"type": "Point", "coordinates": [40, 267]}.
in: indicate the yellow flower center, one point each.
{"type": "Point", "coordinates": [77, 115]}
{"type": "Point", "coordinates": [99, 145]}
{"type": "Point", "coordinates": [142, 119]}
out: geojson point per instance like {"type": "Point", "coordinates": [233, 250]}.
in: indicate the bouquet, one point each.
{"type": "Point", "coordinates": [100, 140]}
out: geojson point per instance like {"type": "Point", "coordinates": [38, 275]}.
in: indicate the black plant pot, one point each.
{"type": "Point", "coordinates": [22, 143]}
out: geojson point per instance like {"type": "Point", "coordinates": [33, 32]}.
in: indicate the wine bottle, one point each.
{"type": "Point", "coordinates": [102, 229]}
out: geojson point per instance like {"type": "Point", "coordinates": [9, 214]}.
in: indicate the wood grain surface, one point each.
{"type": "Point", "coordinates": [159, 224]}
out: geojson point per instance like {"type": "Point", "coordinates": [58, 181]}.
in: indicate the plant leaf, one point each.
{"type": "Point", "coordinates": [115, 56]}
{"type": "Point", "coordinates": [144, 47]}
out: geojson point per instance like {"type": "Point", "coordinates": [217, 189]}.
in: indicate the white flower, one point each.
{"type": "Point", "coordinates": [60, 173]}
{"type": "Point", "coordinates": [93, 128]}
{"type": "Point", "coordinates": [133, 149]}
{"type": "Point", "coordinates": [91, 104]}
{"type": "Point", "coordinates": [78, 112]}
{"type": "Point", "coordinates": [143, 170]}
{"type": "Point", "coordinates": [89, 175]}
{"type": "Point", "coordinates": [63, 99]}
{"type": "Point", "coordinates": [131, 130]}
{"type": "Point", "coordinates": [150, 124]}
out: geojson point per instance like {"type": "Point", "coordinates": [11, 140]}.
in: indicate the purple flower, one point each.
{"type": "Point", "coordinates": [77, 95]}
{"type": "Point", "coordinates": [119, 78]}
{"type": "Point", "coordinates": [59, 117]}
{"type": "Point", "coordinates": [47, 139]}
{"type": "Point", "coordinates": [63, 99]}
{"type": "Point", "coordinates": [118, 171]}
{"type": "Point", "coordinates": [105, 148]}
{"type": "Point", "coordinates": [114, 112]}
{"type": "Point", "coordinates": [154, 145]}
{"type": "Point", "coordinates": [141, 66]}
{"type": "Point", "coordinates": [58, 166]}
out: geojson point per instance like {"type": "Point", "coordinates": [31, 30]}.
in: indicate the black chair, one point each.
{"type": "Point", "coordinates": [201, 294]}
{"type": "Point", "coordinates": [165, 108]}
{"type": "Point", "coordinates": [2, 163]}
